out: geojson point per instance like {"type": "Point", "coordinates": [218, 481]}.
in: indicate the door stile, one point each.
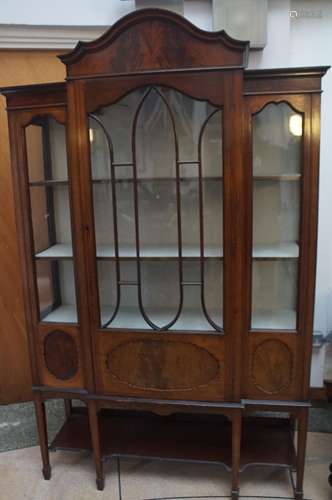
{"type": "Point", "coordinates": [248, 214]}
{"type": "Point", "coordinates": [234, 232]}
{"type": "Point", "coordinates": [311, 184]}
{"type": "Point", "coordinates": [25, 245]}
{"type": "Point", "coordinates": [82, 224]}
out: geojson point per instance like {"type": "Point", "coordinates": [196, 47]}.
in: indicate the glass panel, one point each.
{"type": "Point", "coordinates": [274, 294]}
{"type": "Point", "coordinates": [277, 146]}
{"type": "Point", "coordinates": [56, 291]}
{"type": "Point", "coordinates": [50, 220]}
{"type": "Point", "coordinates": [46, 150]}
{"type": "Point", "coordinates": [51, 224]}
{"type": "Point", "coordinates": [156, 162]}
{"type": "Point", "coordinates": [190, 215]}
{"type": "Point", "coordinates": [276, 141]}
{"type": "Point", "coordinates": [160, 291]}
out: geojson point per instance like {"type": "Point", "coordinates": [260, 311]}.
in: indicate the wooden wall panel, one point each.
{"type": "Point", "coordinates": [16, 68]}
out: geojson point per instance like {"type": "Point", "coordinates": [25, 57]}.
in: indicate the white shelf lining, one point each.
{"type": "Point", "coordinates": [62, 314]}
{"type": "Point", "coordinates": [278, 251]}
{"type": "Point", "coordinates": [266, 177]}
{"type": "Point", "coordinates": [130, 318]}
{"type": "Point", "coordinates": [284, 319]}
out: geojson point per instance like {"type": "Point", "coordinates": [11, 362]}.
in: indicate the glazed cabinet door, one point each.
{"type": "Point", "coordinates": [44, 219]}
{"type": "Point", "coordinates": [283, 199]}
{"type": "Point", "coordinates": [156, 166]}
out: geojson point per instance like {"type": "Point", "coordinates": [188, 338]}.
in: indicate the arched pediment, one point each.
{"type": "Point", "coordinates": [154, 40]}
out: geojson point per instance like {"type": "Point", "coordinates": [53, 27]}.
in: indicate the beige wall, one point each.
{"type": "Point", "coordinates": [16, 68]}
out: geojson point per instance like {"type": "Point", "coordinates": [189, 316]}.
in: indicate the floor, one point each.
{"type": "Point", "coordinates": [73, 478]}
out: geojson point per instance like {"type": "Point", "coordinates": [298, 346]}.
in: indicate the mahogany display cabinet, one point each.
{"type": "Point", "coordinates": [167, 218]}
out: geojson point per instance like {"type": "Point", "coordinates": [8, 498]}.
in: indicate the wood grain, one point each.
{"type": "Point", "coordinates": [154, 39]}
{"type": "Point", "coordinates": [163, 365]}
{"type": "Point", "coordinates": [165, 371]}
{"type": "Point", "coordinates": [61, 354]}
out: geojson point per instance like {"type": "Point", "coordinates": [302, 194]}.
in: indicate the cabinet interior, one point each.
{"type": "Point", "coordinates": [157, 181]}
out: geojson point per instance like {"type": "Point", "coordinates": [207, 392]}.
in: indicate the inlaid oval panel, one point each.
{"type": "Point", "coordinates": [272, 366]}
{"type": "Point", "coordinates": [61, 355]}
{"type": "Point", "coordinates": [162, 365]}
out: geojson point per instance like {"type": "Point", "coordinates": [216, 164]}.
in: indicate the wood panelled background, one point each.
{"type": "Point", "coordinates": [16, 68]}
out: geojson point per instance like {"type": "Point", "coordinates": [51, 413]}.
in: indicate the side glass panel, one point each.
{"type": "Point", "coordinates": [50, 212]}
{"type": "Point", "coordinates": [156, 162]}
{"type": "Point", "coordinates": [277, 148]}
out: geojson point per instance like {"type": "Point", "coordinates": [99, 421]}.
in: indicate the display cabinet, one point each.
{"type": "Point", "coordinates": [167, 216]}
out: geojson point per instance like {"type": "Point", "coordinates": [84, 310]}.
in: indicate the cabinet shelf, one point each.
{"type": "Point", "coordinates": [53, 182]}
{"type": "Point", "coordinates": [281, 319]}
{"type": "Point", "coordinates": [59, 251]}
{"type": "Point", "coordinates": [280, 177]}
{"type": "Point", "coordinates": [64, 182]}
{"type": "Point", "coordinates": [66, 313]}
{"type": "Point", "coordinates": [276, 251]}
{"type": "Point", "coordinates": [59, 182]}
{"type": "Point", "coordinates": [131, 318]}
{"type": "Point", "coordinates": [106, 252]}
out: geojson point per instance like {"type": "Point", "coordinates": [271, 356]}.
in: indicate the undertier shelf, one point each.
{"type": "Point", "coordinates": [265, 441]}
{"type": "Point", "coordinates": [277, 251]}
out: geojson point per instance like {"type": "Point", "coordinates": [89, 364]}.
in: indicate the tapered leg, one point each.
{"type": "Point", "coordinates": [42, 432]}
{"type": "Point", "coordinates": [301, 451]}
{"type": "Point", "coordinates": [236, 453]}
{"type": "Point", "coordinates": [68, 407]}
{"type": "Point", "coordinates": [293, 429]}
{"type": "Point", "coordinates": [95, 439]}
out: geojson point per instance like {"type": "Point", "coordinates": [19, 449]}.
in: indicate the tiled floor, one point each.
{"type": "Point", "coordinates": [73, 478]}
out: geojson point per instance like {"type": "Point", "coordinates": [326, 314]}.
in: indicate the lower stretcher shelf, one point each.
{"type": "Point", "coordinates": [265, 441]}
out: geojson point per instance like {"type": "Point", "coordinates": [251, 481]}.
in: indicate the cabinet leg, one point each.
{"type": "Point", "coordinates": [236, 453]}
{"type": "Point", "coordinates": [95, 439]}
{"type": "Point", "coordinates": [42, 433]}
{"type": "Point", "coordinates": [68, 407]}
{"type": "Point", "coordinates": [301, 451]}
{"type": "Point", "coordinates": [293, 429]}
